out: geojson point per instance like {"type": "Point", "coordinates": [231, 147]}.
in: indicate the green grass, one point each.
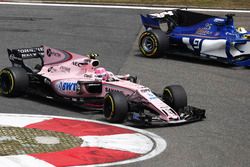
{"type": "Point", "coordinates": [231, 4]}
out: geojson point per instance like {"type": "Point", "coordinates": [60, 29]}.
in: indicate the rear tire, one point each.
{"type": "Point", "coordinates": [175, 96]}
{"type": "Point", "coordinates": [115, 107]}
{"type": "Point", "coordinates": [153, 43]}
{"type": "Point", "coordinates": [13, 81]}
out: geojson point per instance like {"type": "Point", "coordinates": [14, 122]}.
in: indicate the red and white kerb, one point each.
{"type": "Point", "coordinates": [103, 144]}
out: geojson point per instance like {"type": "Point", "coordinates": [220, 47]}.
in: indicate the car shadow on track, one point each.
{"type": "Point", "coordinates": [158, 125]}
{"type": "Point", "coordinates": [97, 114]}
{"type": "Point", "coordinates": [194, 60]}
{"type": "Point", "coordinates": [62, 105]}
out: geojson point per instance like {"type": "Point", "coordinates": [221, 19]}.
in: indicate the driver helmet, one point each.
{"type": "Point", "coordinates": [101, 73]}
{"type": "Point", "coordinates": [241, 30]}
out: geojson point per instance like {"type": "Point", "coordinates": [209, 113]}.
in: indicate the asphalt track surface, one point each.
{"type": "Point", "coordinates": [223, 139]}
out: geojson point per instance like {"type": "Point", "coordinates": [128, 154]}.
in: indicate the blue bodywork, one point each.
{"type": "Point", "coordinates": [203, 36]}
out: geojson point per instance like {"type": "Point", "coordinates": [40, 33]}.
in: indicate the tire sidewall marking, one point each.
{"type": "Point", "coordinates": [10, 75]}
{"type": "Point", "coordinates": [112, 107]}
{"type": "Point", "coordinates": [170, 94]}
{"type": "Point", "coordinates": [155, 43]}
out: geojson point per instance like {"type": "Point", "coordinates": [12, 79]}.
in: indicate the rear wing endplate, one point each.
{"type": "Point", "coordinates": [16, 56]}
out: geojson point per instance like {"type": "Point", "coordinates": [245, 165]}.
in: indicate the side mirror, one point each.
{"type": "Point", "coordinates": [230, 15]}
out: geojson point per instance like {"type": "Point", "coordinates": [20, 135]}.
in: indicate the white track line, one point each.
{"type": "Point", "coordinates": [6, 121]}
{"type": "Point", "coordinates": [23, 160]}
{"type": "Point", "coordinates": [118, 7]}
{"type": "Point", "coordinates": [135, 142]}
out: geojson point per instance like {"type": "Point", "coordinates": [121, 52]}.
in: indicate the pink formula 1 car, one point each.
{"type": "Point", "coordinates": [66, 76]}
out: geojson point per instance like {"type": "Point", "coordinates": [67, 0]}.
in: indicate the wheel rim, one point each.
{"type": "Point", "coordinates": [148, 44]}
{"type": "Point", "coordinates": [108, 107]}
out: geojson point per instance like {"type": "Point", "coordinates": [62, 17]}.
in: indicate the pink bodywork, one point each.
{"type": "Point", "coordinates": [66, 70]}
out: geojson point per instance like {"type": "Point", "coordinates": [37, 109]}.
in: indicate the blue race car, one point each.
{"type": "Point", "coordinates": [183, 32]}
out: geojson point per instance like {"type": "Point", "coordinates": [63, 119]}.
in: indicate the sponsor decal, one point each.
{"type": "Point", "coordinates": [31, 52]}
{"type": "Point", "coordinates": [29, 55]}
{"type": "Point", "coordinates": [145, 90]}
{"type": "Point", "coordinates": [196, 43]}
{"type": "Point", "coordinates": [193, 43]}
{"type": "Point", "coordinates": [12, 57]}
{"type": "Point", "coordinates": [219, 20]}
{"type": "Point", "coordinates": [216, 33]}
{"type": "Point", "coordinates": [111, 90]}
{"type": "Point", "coordinates": [52, 70]}
{"type": "Point", "coordinates": [151, 96]}
{"type": "Point", "coordinates": [50, 53]}
{"type": "Point", "coordinates": [229, 34]}
{"type": "Point", "coordinates": [67, 86]}
{"type": "Point", "coordinates": [88, 75]}
{"type": "Point", "coordinates": [162, 14]}
{"type": "Point", "coordinates": [64, 69]}
{"type": "Point", "coordinates": [87, 61]}
{"type": "Point", "coordinates": [78, 64]}
{"type": "Point", "coordinates": [201, 31]}
{"type": "Point", "coordinates": [204, 30]}
{"type": "Point", "coordinates": [28, 50]}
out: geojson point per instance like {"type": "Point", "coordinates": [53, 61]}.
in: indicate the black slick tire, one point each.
{"type": "Point", "coordinates": [115, 107]}
{"type": "Point", "coordinates": [13, 81]}
{"type": "Point", "coordinates": [153, 43]}
{"type": "Point", "coordinates": [175, 96]}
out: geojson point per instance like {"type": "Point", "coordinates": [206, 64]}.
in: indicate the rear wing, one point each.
{"type": "Point", "coordinates": [17, 56]}
{"type": "Point", "coordinates": [27, 57]}
{"type": "Point", "coordinates": [177, 17]}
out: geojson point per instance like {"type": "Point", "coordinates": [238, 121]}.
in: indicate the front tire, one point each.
{"type": "Point", "coordinates": [175, 96]}
{"type": "Point", "coordinates": [13, 81]}
{"type": "Point", "coordinates": [115, 107]}
{"type": "Point", "coordinates": [153, 43]}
